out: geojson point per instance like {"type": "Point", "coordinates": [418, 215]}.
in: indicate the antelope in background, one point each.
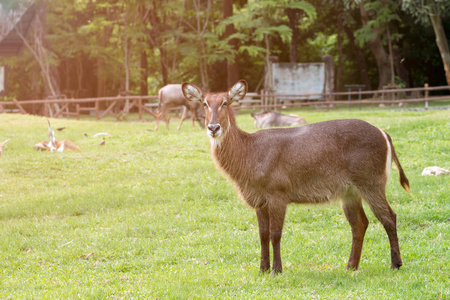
{"type": "Point", "coordinates": [53, 144]}
{"type": "Point", "coordinates": [1, 147]}
{"type": "Point", "coordinates": [346, 159]}
{"type": "Point", "coordinates": [171, 96]}
{"type": "Point", "coordinates": [267, 119]}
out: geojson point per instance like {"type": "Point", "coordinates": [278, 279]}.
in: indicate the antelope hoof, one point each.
{"type": "Point", "coordinates": [276, 272]}
{"type": "Point", "coordinates": [396, 266]}
{"type": "Point", "coordinates": [264, 269]}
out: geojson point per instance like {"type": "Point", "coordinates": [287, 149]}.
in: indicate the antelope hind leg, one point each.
{"type": "Point", "coordinates": [158, 117]}
{"type": "Point", "coordinates": [384, 213]}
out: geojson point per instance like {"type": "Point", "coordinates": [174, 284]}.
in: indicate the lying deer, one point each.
{"type": "Point", "coordinates": [171, 96]}
{"type": "Point", "coordinates": [267, 119]}
{"type": "Point", "coordinates": [53, 144]}
{"type": "Point", "coordinates": [316, 163]}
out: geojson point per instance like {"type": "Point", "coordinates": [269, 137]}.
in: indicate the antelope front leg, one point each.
{"type": "Point", "coordinates": [276, 216]}
{"type": "Point", "coordinates": [262, 213]}
{"type": "Point", "coordinates": [183, 117]}
{"type": "Point", "coordinates": [194, 117]}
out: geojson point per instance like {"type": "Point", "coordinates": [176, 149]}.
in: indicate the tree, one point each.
{"type": "Point", "coordinates": [376, 17]}
{"type": "Point", "coordinates": [359, 55]}
{"type": "Point", "coordinates": [98, 48]}
{"type": "Point", "coordinates": [296, 11]}
{"type": "Point", "coordinates": [233, 74]}
{"type": "Point", "coordinates": [39, 48]}
{"type": "Point", "coordinates": [268, 25]}
{"type": "Point", "coordinates": [200, 37]}
{"type": "Point", "coordinates": [433, 9]}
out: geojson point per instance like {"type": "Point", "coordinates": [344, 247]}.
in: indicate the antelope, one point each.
{"type": "Point", "coordinates": [1, 147]}
{"type": "Point", "coordinates": [58, 146]}
{"type": "Point", "coordinates": [345, 159]}
{"type": "Point", "coordinates": [171, 96]}
{"type": "Point", "coordinates": [267, 119]}
{"type": "Point", "coordinates": [53, 144]}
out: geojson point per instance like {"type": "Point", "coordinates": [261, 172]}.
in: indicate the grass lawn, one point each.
{"type": "Point", "coordinates": [147, 216]}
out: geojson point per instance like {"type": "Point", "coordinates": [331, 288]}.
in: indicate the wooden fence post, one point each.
{"type": "Point", "coordinates": [22, 111]}
{"type": "Point", "coordinates": [426, 95]}
{"type": "Point", "coordinates": [140, 109]}
{"type": "Point", "coordinates": [97, 110]}
{"type": "Point", "coordinates": [78, 111]}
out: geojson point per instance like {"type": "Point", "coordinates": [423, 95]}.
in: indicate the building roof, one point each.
{"type": "Point", "coordinates": [12, 25]}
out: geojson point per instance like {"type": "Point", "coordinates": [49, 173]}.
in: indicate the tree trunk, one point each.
{"type": "Point", "coordinates": [204, 75]}
{"type": "Point", "coordinates": [35, 90]}
{"type": "Point", "coordinates": [268, 66]}
{"type": "Point", "coordinates": [340, 54]}
{"type": "Point", "coordinates": [162, 55]}
{"type": "Point", "coordinates": [158, 23]}
{"type": "Point", "coordinates": [400, 68]}
{"type": "Point", "coordinates": [359, 58]}
{"type": "Point", "coordinates": [442, 43]}
{"type": "Point", "coordinates": [143, 64]}
{"type": "Point", "coordinates": [376, 47]}
{"type": "Point", "coordinates": [293, 17]}
{"type": "Point", "coordinates": [233, 71]}
{"type": "Point", "coordinates": [329, 76]}
{"type": "Point", "coordinates": [41, 54]}
{"type": "Point", "coordinates": [144, 74]}
{"type": "Point", "coordinates": [39, 51]}
{"type": "Point", "coordinates": [100, 79]}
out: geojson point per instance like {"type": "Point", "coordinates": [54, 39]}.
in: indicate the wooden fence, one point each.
{"type": "Point", "coordinates": [267, 100]}
{"type": "Point", "coordinates": [271, 101]}
{"type": "Point", "coordinates": [113, 106]}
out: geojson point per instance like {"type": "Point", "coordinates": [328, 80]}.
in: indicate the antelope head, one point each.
{"type": "Point", "coordinates": [217, 107]}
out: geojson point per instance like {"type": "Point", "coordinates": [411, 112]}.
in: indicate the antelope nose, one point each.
{"type": "Point", "coordinates": [214, 128]}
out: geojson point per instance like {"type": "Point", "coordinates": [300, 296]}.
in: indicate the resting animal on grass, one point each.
{"type": "Point", "coordinates": [267, 119]}
{"type": "Point", "coordinates": [53, 144]}
{"type": "Point", "coordinates": [316, 163]}
{"type": "Point", "coordinates": [58, 146]}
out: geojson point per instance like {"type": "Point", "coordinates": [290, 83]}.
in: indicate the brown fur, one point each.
{"type": "Point", "coordinates": [171, 96]}
{"type": "Point", "coordinates": [68, 145]}
{"type": "Point", "coordinates": [339, 159]}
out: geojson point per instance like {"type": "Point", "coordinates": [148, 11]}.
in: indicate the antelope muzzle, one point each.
{"type": "Point", "coordinates": [214, 130]}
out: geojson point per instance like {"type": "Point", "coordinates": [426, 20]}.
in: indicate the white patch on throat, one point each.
{"type": "Point", "coordinates": [388, 154]}
{"type": "Point", "coordinates": [215, 142]}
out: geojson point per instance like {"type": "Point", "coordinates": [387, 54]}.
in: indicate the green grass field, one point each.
{"type": "Point", "coordinates": [147, 216]}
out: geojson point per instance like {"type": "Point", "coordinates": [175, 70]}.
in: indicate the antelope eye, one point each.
{"type": "Point", "coordinates": [224, 103]}
{"type": "Point", "coordinates": [205, 104]}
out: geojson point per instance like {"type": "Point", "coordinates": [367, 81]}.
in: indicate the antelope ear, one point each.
{"type": "Point", "coordinates": [238, 91]}
{"type": "Point", "coordinates": [191, 92]}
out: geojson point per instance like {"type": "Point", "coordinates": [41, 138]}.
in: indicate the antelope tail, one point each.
{"type": "Point", "coordinates": [402, 176]}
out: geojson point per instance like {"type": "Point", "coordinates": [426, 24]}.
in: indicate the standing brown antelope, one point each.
{"type": "Point", "coordinates": [316, 163]}
{"type": "Point", "coordinates": [171, 96]}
